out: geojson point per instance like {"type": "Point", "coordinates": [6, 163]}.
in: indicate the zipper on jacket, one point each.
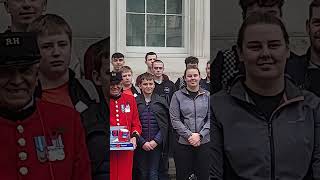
{"type": "Point", "coordinates": [270, 133]}
{"type": "Point", "coordinates": [195, 111]}
{"type": "Point", "coordinates": [149, 138]}
{"type": "Point", "coordinates": [195, 116]}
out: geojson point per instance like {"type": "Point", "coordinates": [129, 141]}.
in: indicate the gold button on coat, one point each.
{"type": "Point", "coordinates": [22, 142]}
{"type": "Point", "coordinates": [23, 156]}
{"type": "Point", "coordinates": [20, 129]}
{"type": "Point", "coordinates": [23, 170]}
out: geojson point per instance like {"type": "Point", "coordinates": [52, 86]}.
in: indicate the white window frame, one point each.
{"type": "Point", "coordinates": [196, 20]}
{"type": "Point", "coordinates": [135, 51]}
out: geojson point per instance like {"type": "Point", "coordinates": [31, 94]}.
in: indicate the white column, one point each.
{"type": "Point", "coordinates": [200, 28]}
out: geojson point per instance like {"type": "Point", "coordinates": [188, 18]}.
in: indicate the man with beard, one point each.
{"type": "Point", "coordinates": [306, 71]}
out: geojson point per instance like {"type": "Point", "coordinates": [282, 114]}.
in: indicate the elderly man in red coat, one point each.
{"type": "Point", "coordinates": [39, 140]}
{"type": "Point", "coordinates": [123, 112]}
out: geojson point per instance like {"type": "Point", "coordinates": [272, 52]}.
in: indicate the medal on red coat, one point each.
{"type": "Point", "coordinates": [127, 109]}
{"type": "Point", "coordinates": [40, 144]}
{"type": "Point", "coordinates": [122, 108]}
{"type": "Point", "coordinates": [56, 150]}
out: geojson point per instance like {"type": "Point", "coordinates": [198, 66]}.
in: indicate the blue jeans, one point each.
{"type": "Point", "coordinates": [148, 163]}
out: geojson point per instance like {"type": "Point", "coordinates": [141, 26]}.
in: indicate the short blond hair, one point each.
{"type": "Point", "coordinates": [50, 24]}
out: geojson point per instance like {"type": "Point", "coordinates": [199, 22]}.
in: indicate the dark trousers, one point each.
{"type": "Point", "coordinates": [191, 160]}
{"type": "Point", "coordinates": [148, 163]}
{"type": "Point", "coordinates": [164, 168]}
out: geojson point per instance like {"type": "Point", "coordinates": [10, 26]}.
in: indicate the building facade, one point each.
{"type": "Point", "coordinates": [174, 29]}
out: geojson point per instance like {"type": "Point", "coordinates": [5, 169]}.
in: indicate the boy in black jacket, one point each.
{"type": "Point", "coordinates": [154, 116]}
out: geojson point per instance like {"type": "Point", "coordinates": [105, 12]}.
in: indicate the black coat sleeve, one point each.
{"type": "Point", "coordinates": [216, 73]}
{"type": "Point", "coordinates": [216, 147]}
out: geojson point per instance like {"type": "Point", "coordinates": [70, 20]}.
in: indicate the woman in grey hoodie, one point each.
{"type": "Point", "coordinates": [189, 114]}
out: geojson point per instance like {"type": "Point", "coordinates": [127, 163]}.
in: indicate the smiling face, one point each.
{"type": "Point", "coordinates": [192, 78]}
{"type": "Point", "coordinates": [264, 51]}
{"type": "Point", "coordinates": [115, 89]}
{"type": "Point", "coordinates": [147, 86]}
{"type": "Point", "coordinates": [17, 85]}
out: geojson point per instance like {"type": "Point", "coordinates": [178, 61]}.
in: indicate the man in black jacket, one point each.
{"type": "Point", "coordinates": [163, 86]}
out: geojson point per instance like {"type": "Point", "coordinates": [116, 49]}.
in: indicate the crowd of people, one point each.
{"type": "Point", "coordinates": [167, 119]}
{"type": "Point", "coordinates": [254, 116]}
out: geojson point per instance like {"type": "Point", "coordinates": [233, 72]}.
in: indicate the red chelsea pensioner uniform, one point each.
{"type": "Point", "coordinates": [123, 112]}
{"type": "Point", "coordinates": [48, 145]}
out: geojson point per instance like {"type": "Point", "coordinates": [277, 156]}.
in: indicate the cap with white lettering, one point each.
{"type": "Point", "coordinates": [18, 49]}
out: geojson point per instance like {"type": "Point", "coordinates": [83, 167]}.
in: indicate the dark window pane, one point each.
{"type": "Point", "coordinates": [174, 6]}
{"type": "Point", "coordinates": [135, 6]}
{"type": "Point", "coordinates": [155, 30]}
{"type": "Point", "coordinates": [135, 30]}
{"type": "Point", "coordinates": [174, 31]}
{"type": "Point", "coordinates": [155, 6]}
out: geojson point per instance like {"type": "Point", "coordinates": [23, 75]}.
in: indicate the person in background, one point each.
{"type": "Point", "coordinates": [117, 61]}
{"type": "Point", "coordinates": [205, 83]}
{"type": "Point", "coordinates": [128, 87]}
{"type": "Point", "coordinates": [189, 61]}
{"type": "Point", "coordinates": [150, 57]}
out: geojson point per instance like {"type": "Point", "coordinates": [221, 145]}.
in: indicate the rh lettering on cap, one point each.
{"type": "Point", "coordinates": [13, 41]}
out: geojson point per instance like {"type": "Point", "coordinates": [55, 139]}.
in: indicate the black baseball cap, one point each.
{"type": "Point", "coordinates": [18, 49]}
{"type": "Point", "coordinates": [116, 77]}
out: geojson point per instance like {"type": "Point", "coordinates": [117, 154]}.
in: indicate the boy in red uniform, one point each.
{"type": "Point", "coordinates": [40, 140]}
{"type": "Point", "coordinates": [123, 112]}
